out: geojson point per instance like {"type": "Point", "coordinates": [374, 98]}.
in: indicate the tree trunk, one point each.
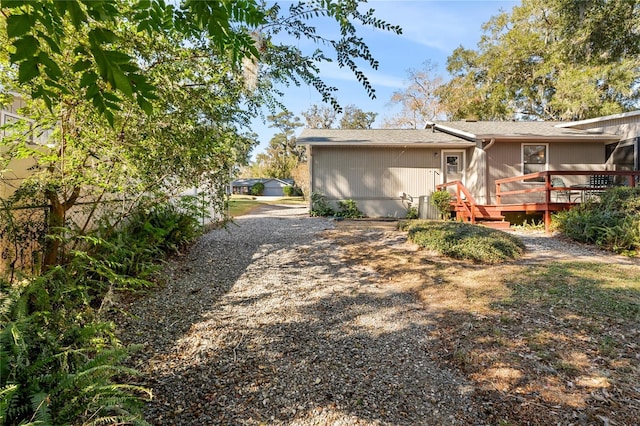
{"type": "Point", "coordinates": [56, 222]}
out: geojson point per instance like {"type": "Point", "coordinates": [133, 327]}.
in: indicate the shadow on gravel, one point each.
{"type": "Point", "coordinates": [196, 281]}
{"type": "Point", "coordinates": [309, 341]}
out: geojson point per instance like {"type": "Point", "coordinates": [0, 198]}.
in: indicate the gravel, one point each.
{"type": "Point", "coordinates": [262, 323]}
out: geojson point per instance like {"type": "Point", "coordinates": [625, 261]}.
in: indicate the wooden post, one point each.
{"type": "Point", "coordinates": [547, 200]}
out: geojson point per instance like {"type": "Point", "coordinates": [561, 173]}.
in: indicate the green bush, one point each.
{"type": "Point", "coordinates": [349, 209]}
{"type": "Point", "coordinates": [612, 224]}
{"type": "Point", "coordinates": [412, 212]}
{"type": "Point", "coordinates": [442, 201]}
{"type": "Point", "coordinates": [465, 241]}
{"type": "Point", "coordinates": [320, 205]}
{"type": "Point", "coordinates": [288, 191]}
{"type": "Point", "coordinates": [257, 188]}
{"type": "Point", "coordinates": [60, 363]}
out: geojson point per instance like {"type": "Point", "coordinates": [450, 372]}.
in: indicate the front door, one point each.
{"type": "Point", "coordinates": [453, 165]}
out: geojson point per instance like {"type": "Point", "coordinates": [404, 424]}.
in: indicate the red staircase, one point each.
{"type": "Point", "coordinates": [468, 210]}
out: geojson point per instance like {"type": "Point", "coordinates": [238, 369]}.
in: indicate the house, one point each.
{"type": "Point", "coordinates": [16, 170]}
{"type": "Point", "coordinates": [383, 168]}
{"type": "Point", "coordinates": [625, 153]}
{"type": "Point", "coordinates": [272, 187]}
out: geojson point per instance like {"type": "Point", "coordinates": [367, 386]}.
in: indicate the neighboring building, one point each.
{"type": "Point", "coordinates": [375, 167]}
{"type": "Point", "coordinates": [272, 187]}
{"type": "Point", "coordinates": [13, 173]}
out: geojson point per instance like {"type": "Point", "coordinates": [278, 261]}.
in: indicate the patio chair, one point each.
{"type": "Point", "coordinates": [598, 184]}
{"type": "Point", "coordinates": [562, 195]}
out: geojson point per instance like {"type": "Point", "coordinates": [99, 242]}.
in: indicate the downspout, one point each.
{"type": "Point", "coordinates": [486, 170]}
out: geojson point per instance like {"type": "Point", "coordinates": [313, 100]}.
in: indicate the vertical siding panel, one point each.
{"type": "Point", "coordinates": [374, 177]}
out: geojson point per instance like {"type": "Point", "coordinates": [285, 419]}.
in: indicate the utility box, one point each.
{"type": "Point", "coordinates": [425, 209]}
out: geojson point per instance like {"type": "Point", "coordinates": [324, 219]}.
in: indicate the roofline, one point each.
{"type": "Point", "coordinates": [452, 131]}
{"type": "Point", "coordinates": [599, 119]}
{"type": "Point", "coordinates": [392, 145]}
{"type": "Point", "coordinates": [556, 138]}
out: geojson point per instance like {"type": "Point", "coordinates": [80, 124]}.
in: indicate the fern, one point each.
{"type": "Point", "coordinates": [7, 393]}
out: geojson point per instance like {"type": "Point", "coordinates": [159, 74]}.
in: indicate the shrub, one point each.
{"type": "Point", "coordinates": [349, 209]}
{"type": "Point", "coordinates": [465, 241]}
{"type": "Point", "coordinates": [412, 212]}
{"type": "Point", "coordinates": [612, 224]}
{"type": "Point", "coordinates": [320, 205]}
{"type": "Point", "coordinates": [59, 362]}
{"type": "Point", "coordinates": [441, 200]}
{"type": "Point", "coordinates": [257, 188]}
{"type": "Point", "coordinates": [288, 191]}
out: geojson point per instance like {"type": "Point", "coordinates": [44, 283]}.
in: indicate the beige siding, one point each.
{"type": "Point", "coordinates": [374, 177]}
{"type": "Point", "coordinates": [476, 174]}
{"type": "Point", "coordinates": [505, 160]}
{"type": "Point", "coordinates": [625, 127]}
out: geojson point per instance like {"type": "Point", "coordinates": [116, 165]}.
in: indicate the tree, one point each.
{"type": "Point", "coordinates": [319, 117]}
{"type": "Point", "coordinates": [541, 61]}
{"type": "Point", "coordinates": [419, 100]}
{"type": "Point", "coordinates": [283, 155]}
{"type": "Point", "coordinates": [239, 31]}
{"type": "Point", "coordinates": [190, 137]}
{"type": "Point", "coordinates": [147, 97]}
{"type": "Point", "coordinates": [355, 118]}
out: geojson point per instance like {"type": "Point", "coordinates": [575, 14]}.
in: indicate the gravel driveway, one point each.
{"type": "Point", "coordinates": [262, 323]}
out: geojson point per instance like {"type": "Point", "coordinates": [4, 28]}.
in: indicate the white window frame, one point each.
{"type": "Point", "coordinates": [546, 159]}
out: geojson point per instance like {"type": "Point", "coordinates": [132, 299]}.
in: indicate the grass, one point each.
{"type": "Point", "coordinates": [464, 241]}
{"type": "Point", "coordinates": [240, 205]}
{"type": "Point", "coordinates": [539, 342]}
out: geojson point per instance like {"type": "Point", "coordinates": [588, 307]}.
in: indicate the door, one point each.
{"type": "Point", "coordinates": [453, 165]}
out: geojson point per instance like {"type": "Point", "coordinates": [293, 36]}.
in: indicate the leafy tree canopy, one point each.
{"type": "Point", "coordinates": [355, 118]}
{"type": "Point", "coordinates": [549, 59]}
{"type": "Point", "coordinates": [352, 117]}
{"type": "Point", "coordinates": [238, 30]}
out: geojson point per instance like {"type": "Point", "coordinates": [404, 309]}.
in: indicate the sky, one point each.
{"type": "Point", "coordinates": [432, 29]}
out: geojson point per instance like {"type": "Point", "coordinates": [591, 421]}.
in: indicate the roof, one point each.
{"type": "Point", "coordinates": [510, 131]}
{"type": "Point", "coordinates": [601, 119]}
{"type": "Point", "coordinates": [380, 137]}
{"type": "Point", "coordinates": [454, 134]}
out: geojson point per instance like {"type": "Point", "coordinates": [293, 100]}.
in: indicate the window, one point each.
{"type": "Point", "coordinates": [534, 159]}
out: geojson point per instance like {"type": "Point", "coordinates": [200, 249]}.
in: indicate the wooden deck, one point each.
{"type": "Point", "coordinates": [492, 215]}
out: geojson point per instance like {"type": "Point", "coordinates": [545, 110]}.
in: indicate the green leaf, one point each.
{"type": "Point", "coordinates": [88, 79]}
{"type": "Point", "coordinates": [111, 97]}
{"type": "Point", "coordinates": [11, 4]}
{"type": "Point", "coordinates": [77, 15]}
{"type": "Point", "coordinates": [51, 67]}
{"type": "Point", "coordinates": [81, 65]}
{"type": "Point", "coordinates": [145, 105]}
{"type": "Point", "coordinates": [53, 45]}
{"type": "Point", "coordinates": [100, 36]}
{"type": "Point", "coordinates": [26, 47]}
{"type": "Point", "coordinates": [121, 82]}
{"type": "Point", "coordinates": [28, 70]}
{"type": "Point", "coordinates": [18, 25]}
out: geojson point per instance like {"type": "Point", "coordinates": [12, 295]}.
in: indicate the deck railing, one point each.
{"type": "Point", "coordinates": [465, 206]}
{"type": "Point", "coordinates": [598, 181]}
{"type": "Point", "coordinates": [631, 179]}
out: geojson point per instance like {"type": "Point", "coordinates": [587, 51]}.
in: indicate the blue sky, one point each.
{"type": "Point", "coordinates": [432, 29]}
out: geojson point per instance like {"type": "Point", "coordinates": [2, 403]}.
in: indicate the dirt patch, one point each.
{"type": "Point", "coordinates": [552, 339]}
